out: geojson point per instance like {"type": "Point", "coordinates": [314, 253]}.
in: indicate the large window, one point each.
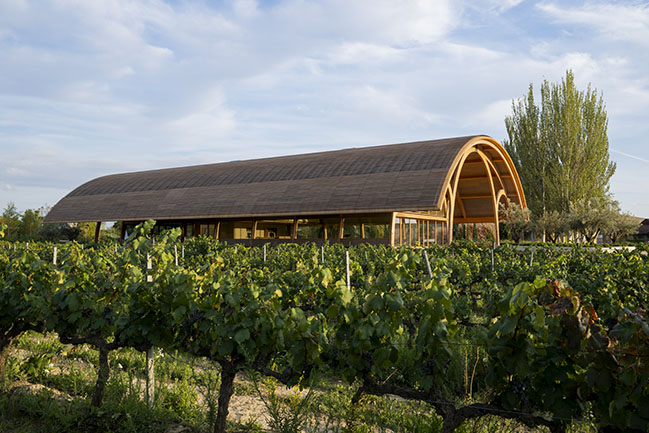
{"type": "Point", "coordinates": [274, 229]}
{"type": "Point", "coordinates": [419, 232]}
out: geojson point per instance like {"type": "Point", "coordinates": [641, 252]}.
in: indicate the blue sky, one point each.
{"type": "Point", "coordinates": [89, 88]}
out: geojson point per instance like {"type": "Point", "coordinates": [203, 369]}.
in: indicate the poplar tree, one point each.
{"type": "Point", "coordinates": [560, 147]}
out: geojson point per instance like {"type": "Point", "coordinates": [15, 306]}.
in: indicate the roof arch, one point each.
{"type": "Point", "coordinates": [424, 176]}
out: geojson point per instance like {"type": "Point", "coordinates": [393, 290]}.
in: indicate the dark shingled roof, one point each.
{"type": "Point", "coordinates": [386, 178]}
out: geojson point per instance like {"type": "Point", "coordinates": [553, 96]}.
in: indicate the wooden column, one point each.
{"type": "Point", "coordinates": [324, 229]}
{"type": "Point", "coordinates": [254, 229]}
{"type": "Point", "coordinates": [97, 231]}
{"type": "Point", "coordinates": [341, 228]}
{"type": "Point", "coordinates": [392, 223]}
{"type": "Point", "coordinates": [218, 229]}
{"type": "Point", "coordinates": [362, 231]}
{"type": "Point", "coordinates": [435, 236]}
{"type": "Point", "coordinates": [294, 234]}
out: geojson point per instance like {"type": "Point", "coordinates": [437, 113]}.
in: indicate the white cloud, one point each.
{"type": "Point", "coordinates": [627, 22]}
{"type": "Point", "coordinates": [372, 21]}
{"type": "Point", "coordinates": [209, 121]}
{"type": "Point", "coordinates": [245, 8]}
{"type": "Point", "coordinates": [363, 53]}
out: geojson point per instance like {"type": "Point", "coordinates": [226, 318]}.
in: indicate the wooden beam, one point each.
{"type": "Point", "coordinates": [477, 196]}
{"type": "Point", "coordinates": [473, 162]}
{"type": "Point", "coordinates": [420, 216]}
{"type": "Point", "coordinates": [503, 176]}
{"type": "Point", "coordinates": [97, 231]}
{"type": "Point", "coordinates": [462, 210]}
{"type": "Point", "coordinates": [478, 219]}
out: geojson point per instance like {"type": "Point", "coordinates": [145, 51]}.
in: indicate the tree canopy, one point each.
{"type": "Point", "coordinates": [560, 147]}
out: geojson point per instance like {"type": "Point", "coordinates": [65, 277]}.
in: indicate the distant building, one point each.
{"type": "Point", "coordinates": [409, 193]}
{"type": "Point", "coordinates": [643, 231]}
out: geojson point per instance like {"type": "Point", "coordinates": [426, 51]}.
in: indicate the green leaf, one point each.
{"type": "Point", "coordinates": [241, 335]}
{"type": "Point", "coordinates": [73, 301]}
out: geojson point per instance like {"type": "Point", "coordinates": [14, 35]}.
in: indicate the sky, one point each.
{"type": "Point", "coordinates": [89, 88]}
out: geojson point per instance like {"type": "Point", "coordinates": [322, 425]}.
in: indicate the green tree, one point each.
{"type": "Point", "coordinates": [590, 217]}
{"type": "Point", "coordinates": [30, 224]}
{"type": "Point", "coordinates": [11, 218]}
{"type": "Point", "coordinates": [554, 224]}
{"type": "Point", "coordinates": [560, 147]}
{"type": "Point", "coordinates": [515, 220]}
{"type": "Point", "coordinates": [622, 224]}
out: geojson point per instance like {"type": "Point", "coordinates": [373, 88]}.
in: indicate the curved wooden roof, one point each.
{"type": "Point", "coordinates": [397, 177]}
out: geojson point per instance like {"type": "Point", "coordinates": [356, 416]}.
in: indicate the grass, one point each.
{"type": "Point", "coordinates": [51, 385]}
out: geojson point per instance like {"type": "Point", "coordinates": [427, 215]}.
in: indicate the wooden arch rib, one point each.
{"type": "Point", "coordinates": [482, 147]}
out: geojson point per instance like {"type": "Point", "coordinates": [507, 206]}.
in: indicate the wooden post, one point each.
{"type": "Point", "coordinates": [393, 220]}
{"type": "Point", "coordinates": [122, 231]}
{"type": "Point", "coordinates": [347, 269]}
{"type": "Point", "coordinates": [54, 256]}
{"type": "Point", "coordinates": [264, 253]}
{"type": "Point", "coordinates": [362, 231]}
{"type": "Point", "coordinates": [492, 259]}
{"type": "Point", "coordinates": [254, 229]}
{"type": "Point", "coordinates": [532, 256]}
{"type": "Point", "coordinates": [430, 273]}
{"type": "Point", "coordinates": [150, 376]}
{"type": "Point", "coordinates": [97, 231]}
{"type": "Point", "coordinates": [435, 232]}
{"type": "Point", "coordinates": [218, 229]}
{"type": "Point", "coordinates": [322, 254]}
{"type": "Point", "coordinates": [427, 229]}
{"type": "Point", "coordinates": [324, 229]}
{"type": "Point", "coordinates": [294, 234]}
{"type": "Point", "coordinates": [176, 254]}
{"type": "Point", "coordinates": [341, 228]}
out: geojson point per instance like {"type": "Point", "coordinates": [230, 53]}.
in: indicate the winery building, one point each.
{"type": "Point", "coordinates": [408, 193]}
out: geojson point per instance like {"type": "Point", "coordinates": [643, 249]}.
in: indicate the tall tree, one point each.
{"type": "Point", "coordinates": [11, 218]}
{"type": "Point", "coordinates": [560, 148]}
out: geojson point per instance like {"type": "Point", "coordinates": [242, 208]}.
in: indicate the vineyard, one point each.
{"type": "Point", "coordinates": [557, 339]}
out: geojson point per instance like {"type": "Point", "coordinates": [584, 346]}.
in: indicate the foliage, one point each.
{"type": "Point", "coordinates": [560, 147]}
{"type": "Point", "coordinates": [10, 218]}
{"type": "Point", "coordinates": [553, 224]}
{"type": "Point", "coordinates": [623, 225]}
{"type": "Point", "coordinates": [289, 314]}
{"type": "Point", "coordinates": [515, 219]}
{"type": "Point", "coordinates": [592, 217]}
